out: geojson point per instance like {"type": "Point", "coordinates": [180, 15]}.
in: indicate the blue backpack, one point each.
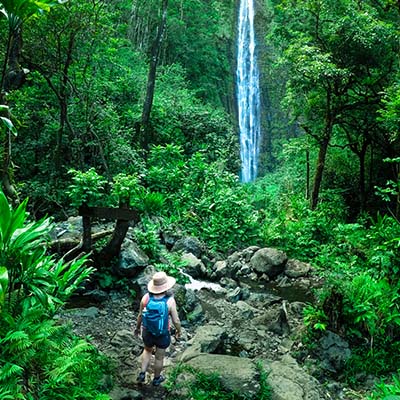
{"type": "Point", "coordinates": [155, 316]}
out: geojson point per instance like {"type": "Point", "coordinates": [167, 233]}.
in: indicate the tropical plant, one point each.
{"type": "Point", "coordinates": [38, 357]}
{"type": "Point", "coordinates": [315, 319]}
{"type": "Point", "coordinates": [87, 187]}
{"type": "Point", "coordinates": [29, 275]}
{"type": "Point", "coordinates": [17, 12]}
{"type": "Point", "coordinates": [387, 390]}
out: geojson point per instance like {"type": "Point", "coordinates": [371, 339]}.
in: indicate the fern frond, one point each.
{"type": "Point", "coordinates": [10, 370]}
{"type": "Point", "coordinates": [18, 340]}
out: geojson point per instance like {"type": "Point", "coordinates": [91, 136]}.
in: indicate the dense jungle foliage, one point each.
{"type": "Point", "coordinates": [131, 103]}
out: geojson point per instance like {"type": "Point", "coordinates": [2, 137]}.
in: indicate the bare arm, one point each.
{"type": "Point", "coordinates": [175, 317]}
{"type": "Point", "coordinates": [139, 318]}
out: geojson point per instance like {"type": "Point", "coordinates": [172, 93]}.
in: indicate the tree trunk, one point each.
{"type": "Point", "coordinates": [307, 174]}
{"type": "Point", "coordinates": [113, 248]}
{"type": "Point", "coordinates": [323, 148]}
{"type": "Point", "coordinates": [87, 234]}
{"type": "Point", "coordinates": [151, 80]}
{"type": "Point", "coordinates": [60, 133]}
{"type": "Point", "coordinates": [62, 95]}
{"type": "Point", "coordinates": [361, 157]}
{"type": "Point", "coordinates": [6, 151]}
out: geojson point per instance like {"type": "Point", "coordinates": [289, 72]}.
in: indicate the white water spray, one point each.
{"type": "Point", "coordinates": [248, 93]}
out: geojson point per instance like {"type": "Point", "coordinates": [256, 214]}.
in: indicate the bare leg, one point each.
{"type": "Point", "coordinates": [146, 357]}
{"type": "Point", "coordinates": [158, 362]}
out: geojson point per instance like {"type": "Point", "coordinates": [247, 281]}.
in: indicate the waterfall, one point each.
{"type": "Point", "coordinates": [248, 93]}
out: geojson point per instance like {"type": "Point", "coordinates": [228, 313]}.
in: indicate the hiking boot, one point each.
{"type": "Point", "coordinates": [141, 377]}
{"type": "Point", "coordinates": [158, 380]}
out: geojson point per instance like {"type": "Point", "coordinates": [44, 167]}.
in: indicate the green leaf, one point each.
{"type": "Point", "coordinates": [3, 284]}
{"type": "Point", "coordinates": [9, 125]}
{"type": "Point", "coordinates": [5, 213]}
{"type": "Point", "coordinates": [16, 221]}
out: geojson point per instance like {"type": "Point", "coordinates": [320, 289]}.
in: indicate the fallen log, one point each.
{"type": "Point", "coordinates": [66, 244]}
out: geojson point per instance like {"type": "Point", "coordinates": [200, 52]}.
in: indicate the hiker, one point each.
{"type": "Point", "coordinates": [155, 309]}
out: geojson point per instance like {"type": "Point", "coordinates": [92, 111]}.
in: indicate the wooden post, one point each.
{"type": "Point", "coordinates": [87, 229]}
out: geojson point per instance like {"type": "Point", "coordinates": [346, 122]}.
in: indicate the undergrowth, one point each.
{"type": "Point", "coordinates": [191, 384]}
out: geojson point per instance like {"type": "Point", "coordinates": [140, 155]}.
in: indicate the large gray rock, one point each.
{"type": "Point", "coordinates": [237, 374]}
{"type": "Point", "coordinates": [144, 278]}
{"type": "Point", "coordinates": [123, 339]}
{"type": "Point", "coordinates": [289, 382]}
{"type": "Point", "coordinates": [234, 295]}
{"type": "Point", "coordinates": [220, 269]}
{"type": "Point", "coordinates": [245, 311]}
{"type": "Point", "coordinates": [193, 265]}
{"type": "Point", "coordinates": [269, 261]}
{"type": "Point", "coordinates": [206, 340]}
{"type": "Point", "coordinates": [131, 260]}
{"type": "Point", "coordinates": [334, 353]}
{"type": "Point", "coordinates": [249, 252]}
{"type": "Point", "coordinates": [297, 269]}
{"type": "Point", "coordinates": [234, 257]}
{"type": "Point", "coordinates": [189, 245]}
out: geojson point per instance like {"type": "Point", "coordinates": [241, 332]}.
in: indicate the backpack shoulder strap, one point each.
{"type": "Point", "coordinates": [146, 299]}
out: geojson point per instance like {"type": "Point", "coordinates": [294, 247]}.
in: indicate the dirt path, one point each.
{"type": "Point", "coordinates": [107, 325]}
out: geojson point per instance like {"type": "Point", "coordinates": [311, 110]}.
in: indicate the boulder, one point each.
{"type": "Point", "coordinates": [144, 278]}
{"type": "Point", "coordinates": [269, 261]}
{"type": "Point", "coordinates": [220, 269]}
{"type": "Point", "coordinates": [289, 382]}
{"type": "Point", "coordinates": [249, 252]}
{"type": "Point", "coordinates": [131, 259]}
{"type": "Point", "coordinates": [96, 296]}
{"type": "Point", "coordinates": [228, 283]}
{"type": "Point", "coordinates": [297, 269]}
{"type": "Point", "coordinates": [196, 315]}
{"type": "Point", "coordinates": [234, 257]}
{"type": "Point", "coordinates": [237, 374]}
{"type": "Point", "coordinates": [206, 340]}
{"type": "Point", "coordinates": [245, 270]}
{"type": "Point", "coordinates": [334, 353]}
{"type": "Point", "coordinates": [190, 300]}
{"type": "Point", "coordinates": [193, 265]}
{"type": "Point", "coordinates": [124, 339]}
{"type": "Point", "coordinates": [189, 245]}
{"type": "Point", "coordinates": [245, 310]}
{"type": "Point", "coordinates": [234, 295]}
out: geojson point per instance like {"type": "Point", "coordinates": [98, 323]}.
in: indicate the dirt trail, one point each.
{"type": "Point", "coordinates": [102, 323]}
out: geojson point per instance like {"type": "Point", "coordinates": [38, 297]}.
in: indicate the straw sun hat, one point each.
{"type": "Point", "coordinates": [160, 283]}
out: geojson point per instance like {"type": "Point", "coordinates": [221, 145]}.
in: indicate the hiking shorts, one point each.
{"type": "Point", "coordinates": [149, 340]}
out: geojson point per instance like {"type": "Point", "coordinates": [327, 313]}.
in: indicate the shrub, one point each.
{"type": "Point", "coordinates": [205, 199]}
{"type": "Point", "coordinates": [387, 390]}
{"type": "Point", "coordinates": [39, 359]}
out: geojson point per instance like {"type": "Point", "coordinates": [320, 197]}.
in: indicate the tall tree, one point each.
{"type": "Point", "coordinates": [16, 12]}
{"type": "Point", "coordinates": [340, 56]}
{"type": "Point", "coordinates": [151, 79]}
{"type": "Point", "coordinates": [65, 61]}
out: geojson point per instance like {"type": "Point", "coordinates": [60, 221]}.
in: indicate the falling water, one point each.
{"type": "Point", "coordinates": [248, 94]}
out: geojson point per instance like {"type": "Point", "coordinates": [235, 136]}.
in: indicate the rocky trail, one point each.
{"type": "Point", "coordinates": [237, 314]}
{"type": "Point", "coordinates": [237, 330]}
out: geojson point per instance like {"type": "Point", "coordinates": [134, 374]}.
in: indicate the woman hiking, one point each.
{"type": "Point", "coordinates": [153, 321]}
